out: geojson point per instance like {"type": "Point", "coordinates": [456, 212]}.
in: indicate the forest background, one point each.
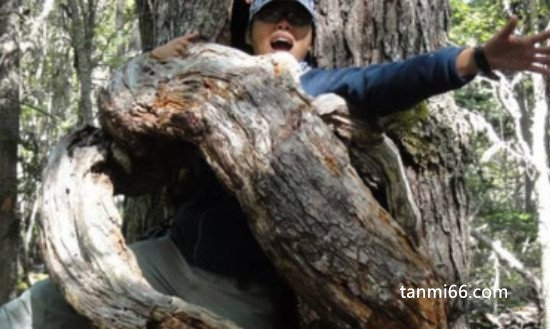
{"type": "Point", "coordinates": [68, 49]}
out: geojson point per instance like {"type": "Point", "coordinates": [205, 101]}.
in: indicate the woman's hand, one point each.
{"type": "Point", "coordinates": [511, 52]}
{"type": "Point", "coordinates": [506, 51]}
{"type": "Point", "coordinates": [175, 47]}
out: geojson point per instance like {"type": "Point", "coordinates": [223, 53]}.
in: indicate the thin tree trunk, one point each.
{"type": "Point", "coordinates": [540, 156]}
{"type": "Point", "coordinates": [119, 25]}
{"type": "Point", "coordinates": [82, 34]}
{"type": "Point", "coordinates": [542, 185]}
{"type": "Point", "coordinates": [496, 279]}
{"type": "Point", "coordinates": [28, 234]}
{"type": "Point", "coordinates": [529, 204]}
{"type": "Point", "coordinates": [9, 138]}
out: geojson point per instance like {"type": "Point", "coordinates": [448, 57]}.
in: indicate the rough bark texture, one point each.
{"type": "Point", "coordinates": [84, 249]}
{"type": "Point", "coordinates": [435, 155]}
{"type": "Point", "coordinates": [9, 137]}
{"type": "Point", "coordinates": [434, 150]}
{"type": "Point", "coordinates": [308, 207]}
{"type": "Point", "coordinates": [160, 21]}
{"type": "Point", "coordinates": [360, 32]}
{"type": "Point", "coordinates": [163, 20]}
{"type": "Point", "coordinates": [82, 15]}
{"type": "Point", "coordinates": [542, 185]}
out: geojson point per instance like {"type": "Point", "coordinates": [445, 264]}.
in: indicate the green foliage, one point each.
{"type": "Point", "coordinates": [499, 188]}
{"type": "Point", "coordinates": [112, 41]}
{"type": "Point", "coordinates": [50, 89]}
{"type": "Point", "coordinates": [475, 21]}
{"type": "Point", "coordinates": [515, 224]}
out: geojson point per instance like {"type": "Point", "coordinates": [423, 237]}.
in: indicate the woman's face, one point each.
{"type": "Point", "coordinates": [282, 26]}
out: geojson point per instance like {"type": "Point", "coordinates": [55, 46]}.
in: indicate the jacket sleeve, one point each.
{"type": "Point", "coordinates": [386, 88]}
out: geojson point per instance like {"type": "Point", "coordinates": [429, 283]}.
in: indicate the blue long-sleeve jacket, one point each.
{"type": "Point", "coordinates": [386, 88]}
{"type": "Point", "coordinates": [212, 232]}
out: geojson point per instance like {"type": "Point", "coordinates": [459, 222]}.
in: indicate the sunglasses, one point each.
{"type": "Point", "coordinates": [293, 13]}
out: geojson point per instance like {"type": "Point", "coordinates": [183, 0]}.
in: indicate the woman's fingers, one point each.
{"type": "Point", "coordinates": [537, 68]}
{"type": "Point", "coordinates": [539, 37]}
{"type": "Point", "coordinates": [508, 29]}
{"type": "Point", "coordinates": [176, 47]}
{"type": "Point", "coordinates": [543, 59]}
{"type": "Point", "coordinates": [509, 52]}
{"type": "Point", "coordinates": [188, 38]}
{"type": "Point", "coordinates": [183, 42]}
{"type": "Point", "coordinates": [542, 50]}
{"type": "Point", "coordinates": [193, 36]}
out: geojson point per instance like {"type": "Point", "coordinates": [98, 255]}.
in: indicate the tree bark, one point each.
{"type": "Point", "coordinates": [163, 20]}
{"type": "Point", "coordinates": [82, 16]}
{"type": "Point", "coordinates": [435, 155]}
{"type": "Point", "coordinates": [340, 250]}
{"type": "Point", "coordinates": [541, 163]}
{"type": "Point", "coordinates": [434, 149]}
{"type": "Point", "coordinates": [160, 21]}
{"type": "Point", "coordinates": [361, 32]}
{"type": "Point", "coordinates": [542, 185]}
{"type": "Point", "coordinates": [10, 110]}
{"type": "Point", "coordinates": [85, 251]}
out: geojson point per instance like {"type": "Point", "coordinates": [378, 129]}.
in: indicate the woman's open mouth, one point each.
{"type": "Point", "coordinates": [282, 44]}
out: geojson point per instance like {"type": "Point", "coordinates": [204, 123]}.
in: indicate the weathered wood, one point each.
{"type": "Point", "coordinates": [326, 233]}
{"type": "Point", "coordinates": [435, 155]}
{"type": "Point", "coordinates": [84, 249]}
{"type": "Point", "coordinates": [376, 159]}
{"type": "Point", "coordinates": [435, 150]}
{"type": "Point", "coordinates": [306, 204]}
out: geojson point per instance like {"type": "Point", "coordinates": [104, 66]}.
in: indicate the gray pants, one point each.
{"type": "Point", "coordinates": [43, 307]}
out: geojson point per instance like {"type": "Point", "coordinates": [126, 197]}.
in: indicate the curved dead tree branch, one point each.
{"type": "Point", "coordinates": [85, 251]}
{"type": "Point", "coordinates": [306, 203]}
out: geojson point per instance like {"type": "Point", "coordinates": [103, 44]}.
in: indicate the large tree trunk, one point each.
{"type": "Point", "coordinates": [9, 137]}
{"type": "Point", "coordinates": [434, 150]}
{"type": "Point", "coordinates": [351, 260]}
{"type": "Point", "coordinates": [360, 32]}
